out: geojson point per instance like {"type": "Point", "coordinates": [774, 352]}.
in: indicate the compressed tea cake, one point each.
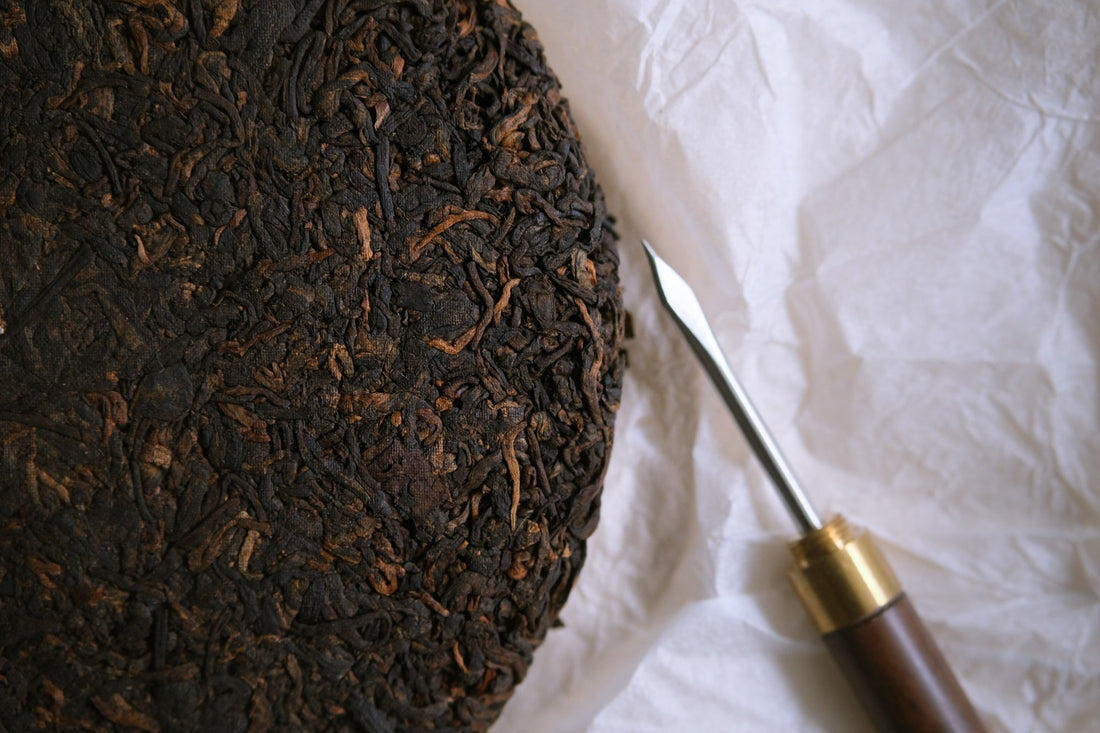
{"type": "Point", "coordinates": [308, 366]}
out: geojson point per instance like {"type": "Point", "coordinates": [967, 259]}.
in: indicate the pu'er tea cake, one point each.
{"type": "Point", "coordinates": [309, 359]}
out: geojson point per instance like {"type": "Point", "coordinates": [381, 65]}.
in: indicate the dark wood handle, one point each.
{"type": "Point", "coordinates": [900, 675]}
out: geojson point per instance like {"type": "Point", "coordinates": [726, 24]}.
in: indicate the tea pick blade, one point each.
{"type": "Point", "coordinates": [680, 301]}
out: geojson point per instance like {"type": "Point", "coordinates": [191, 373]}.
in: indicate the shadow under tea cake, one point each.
{"type": "Point", "coordinates": [309, 361]}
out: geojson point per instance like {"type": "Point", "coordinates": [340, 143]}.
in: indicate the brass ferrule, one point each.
{"type": "Point", "coordinates": [841, 576]}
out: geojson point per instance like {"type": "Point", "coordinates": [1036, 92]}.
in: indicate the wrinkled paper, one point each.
{"type": "Point", "coordinates": [889, 212]}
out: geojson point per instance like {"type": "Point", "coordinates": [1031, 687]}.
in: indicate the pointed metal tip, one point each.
{"type": "Point", "coordinates": [680, 301]}
{"type": "Point", "coordinates": [653, 258]}
{"type": "Point", "coordinates": [667, 278]}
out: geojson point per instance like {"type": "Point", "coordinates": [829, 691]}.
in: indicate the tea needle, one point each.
{"type": "Point", "coordinates": [851, 593]}
{"type": "Point", "coordinates": [681, 302]}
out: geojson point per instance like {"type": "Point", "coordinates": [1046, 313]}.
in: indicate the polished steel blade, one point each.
{"type": "Point", "coordinates": [680, 300]}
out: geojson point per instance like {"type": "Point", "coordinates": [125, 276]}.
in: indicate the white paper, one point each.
{"type": "Point", "coordinates": [889, 211]}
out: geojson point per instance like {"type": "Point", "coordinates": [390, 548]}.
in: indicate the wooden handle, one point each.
{"type": "Point", "coordinates": [899, 674]}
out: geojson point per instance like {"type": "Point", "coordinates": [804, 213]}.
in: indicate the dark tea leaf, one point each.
{"type": "Point", "coordinates": [309, 360]}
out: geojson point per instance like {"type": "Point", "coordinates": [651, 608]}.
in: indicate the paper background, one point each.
{"type": "Point", "coordinates": [889, 211]}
